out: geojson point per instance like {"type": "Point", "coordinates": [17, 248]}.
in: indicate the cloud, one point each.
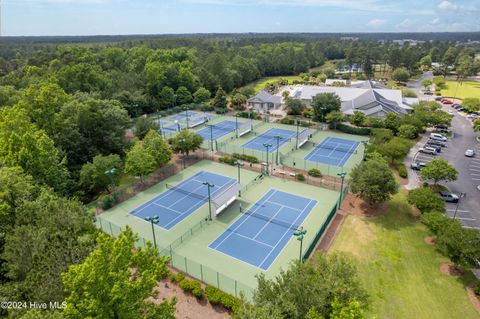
{"type": "Point", "coordinates": [376, 22]}
{"type": "Point", "coordinates": [447, 6]}
{"type": "Point", "coordinates": [406, 23]}
{"type": "Point", "coordinates": [435, 21]}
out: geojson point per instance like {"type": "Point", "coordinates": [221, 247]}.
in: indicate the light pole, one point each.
{"type": "Point", "coordinates": [186, 115]}
{"type": "Point", "coordinates": [267, 146]}
{"type": "Point", "coordinates": [236, 125]}
{"type": "Point", "coordinates": [300, 234]}
{"type": "Point", "coordinates": [458, 203]}
{"type": "Point", "coordinates": [209, 201]}
{"type": "Point", "coordinates": [211, 137]}
{"type": "Point", "coordinates": [110, 173]}
{"type": "Point", "coordinates": [298, 124]}
{"type": "Point", "coordinates": [153, 220]}
{"type": "Point", "coordinates": [238, 166]}
{"type": "Point", "coordinates": [323, 109]}
{"type": "Point", "coordinates": [183, 141]}
{"type": "Point", "coordinates": [178, 125]}
{"type": "Point", "coordinates": [277, 137]}
{"type": "Point", "coordinates": [342, 176]}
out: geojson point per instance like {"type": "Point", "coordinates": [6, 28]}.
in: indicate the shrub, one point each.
{"type": "Point", "coordinates": [227, 160]}
{"type": "Point", "coordinates": [435, 221]}
{"type": "Point", "coordinates": [290, 121]}
{"type": "Point", "coordinates": [476, 289]}
{"type": "Point", "coordinates": [300, 177]}
{"type": "Point", "coordinates": [217, 297]}
{"type": "Point", "coordinates": [178, 277]}
{"type": "Point", "coordinates": [315, 172]}
{"type": "Point", "coordinates": [402, 170]}
{"type": "Point", "coordinates": [206, 108]}
{"type": "Point", "coordinates": [426, 200]}
{"type": "Point", "coordinates": [106, 201]}
{"type": "Point", "coordinates": [352, 130]}
{"type": "Point", "coordinates": [245, 157]}
{"type": "Point", "coordinates": [192, 286]}
{"type": "Point", "coordinates": [407, 131]}
{"type": "Point", "coordinates": [408, 93]}
{"type": "Point", "coordinates": [247, 115]}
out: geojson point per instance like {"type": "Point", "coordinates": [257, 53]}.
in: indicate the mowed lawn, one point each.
{"type": "Point", "coordinates": [260, 84]}
{"type": "Point", "coordinates": [463, 90]}
{"type": "Point", "coordinates": [400, 272]}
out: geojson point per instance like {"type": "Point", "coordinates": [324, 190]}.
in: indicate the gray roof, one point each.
{"type": "Point", "coordinates": [265, 97]}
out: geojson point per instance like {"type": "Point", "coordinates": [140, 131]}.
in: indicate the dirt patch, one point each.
{"type": "Point", "coordinates": [450, 269]}
{"type": "Point", "coordinates": [430, 240]}
{"type": "Point", "coordinates": [473, 297]}
{"type": "Point", "coordinates": [354, 205]}
{"type": "Point", "coordinates": [189, 307]}
{"type": "Point", "coordinates": [331, 232]}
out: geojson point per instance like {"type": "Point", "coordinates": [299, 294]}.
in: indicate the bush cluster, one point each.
{"type": "Point", "coordinates": [192, 286]}
{"type": "Point", "coordinates": [290, 121]}
{"type": "Point", "coordinates": [314, 172]}
{"type": "Point", "coordinates": [476, 289]}
{"type": "Point", "coordinates": [217, 297]}
{"type": "Point", "coordinates": [245, 157]}
{"type": "Point", "coordinates": [352, 130]}
{"type": "Point", "coordinates": [227, 160]}
{"type": "Point", "coordinates": [300, 177]}
{"type": "Point", "coordinates": [402, 170]}
{"type": "Point", "coordinates": [426, 200]}
{"type": "Point", "coordinates": [247, 115]}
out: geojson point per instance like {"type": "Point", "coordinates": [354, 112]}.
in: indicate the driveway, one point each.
{"type": "Point", "coordinates": [468, 210]}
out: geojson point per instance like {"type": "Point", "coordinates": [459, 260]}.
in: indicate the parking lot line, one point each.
{"type": "Point", "coordinates": [475, 170]}
{"type": "Point", "coordinates": [471, 227]}
{"type": "Point", "coordinates": [476, 179]}
{"type": "Point", "coordinates": [458, 210]}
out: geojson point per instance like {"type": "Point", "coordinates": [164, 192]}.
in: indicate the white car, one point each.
{"type": "Point", "coordinates": [450, 112]}
{"type": "Point", "coordinates": [428, 150]}
{"type": "Point", "coordinates": [438, 137]}
{"type": "Point", "coordinates": [470, 153]}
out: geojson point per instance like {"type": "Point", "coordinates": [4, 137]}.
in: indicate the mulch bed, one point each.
{"type": "Point", "coordinates": [450, 269]}
{"type": "Point", "coordinates": [353, 205]}
{"type": "Point", "coordinates": [331, 232]}
{"type": "Point", "coordinates": [430, 240]}
{"type": "Point", "coordinates": [473, 297]}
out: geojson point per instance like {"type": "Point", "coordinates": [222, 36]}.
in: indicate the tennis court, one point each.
{"type": "Point", "coordinates": [333, 151]}
{"type": "Point", "coordinates": [168, 129]}
{"type": "Point", "coordinates": [215, 131]}
{"type": "Point", "coordinates": [179, 201]}
{"type": "Point", "coordinates": [260, 234]}
{"type": "Point", "coordinates": [268, 137]}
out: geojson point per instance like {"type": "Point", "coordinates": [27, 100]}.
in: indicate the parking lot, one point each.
{"type": "Point", "coordinates": [468, 208]}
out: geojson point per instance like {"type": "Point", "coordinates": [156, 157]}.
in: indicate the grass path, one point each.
{"type": "Point", "coordinates": [462, 91]}
{"type": "Point", "coordinates": [401, 272]}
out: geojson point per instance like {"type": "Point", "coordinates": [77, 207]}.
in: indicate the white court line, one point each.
{"type": "Point", "coordinates": [269, 222]}
{"type": "Point", "coordinates": [474, 174]}
{"type": "Point", "coordinates": [459, 210]}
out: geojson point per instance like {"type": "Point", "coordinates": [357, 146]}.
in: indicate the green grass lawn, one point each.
{"type": "Point", "coordinates": [260, 84]}
{"type": "Point", "coordinates": [462, 91]}
{"type": "Point", "coordinates": [400, 272]}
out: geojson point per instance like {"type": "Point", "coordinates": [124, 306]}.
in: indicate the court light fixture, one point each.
{"type": "Point", "coordinates": [153, 220]}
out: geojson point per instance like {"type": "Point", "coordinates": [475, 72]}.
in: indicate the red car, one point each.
{"type": "Point", "coordinates": [445, 101]}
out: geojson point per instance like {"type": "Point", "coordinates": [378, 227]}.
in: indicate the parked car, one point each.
{"type": "Point", "coordinates": [437, 143]}
{"type": "Point", "coordinates": [438, 137]}
{"type": "Point", "coordinates": [428, 92]}
{"type": "Point", "coordinates": [473, 116]}
{"type": "Point", "coordinates": [428, 150]}
{"type": "Point", "coordinates": [449, 197]}
{"type": "Point", "coordinates": [459, 108]}
{"type": "Point", "coordinates": [446, 102]}
{"type": "Point", "coordinates": [437, 148]}
{"type": "Point", "coordinates": [470, 153]}
{"type": "Point", "coordinates": [442, 126]}
{"type": "Point", "coordinates": [417, 165]}
{"type": "Point", "coordinates": [450, 112]}
{"type": "Point", "coordinates": [438, 98]}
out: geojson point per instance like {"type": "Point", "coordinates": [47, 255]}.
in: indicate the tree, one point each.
{"type": "Point", "coordinates": [157, 147]}
{"type": "Point", "coordinates": [401, 75]}
{"type": "Point", "coordinates": [201, 95]}
{"type": "Point", "coordinates": [440, 82]}
{"type": "Point", "coordinates": [427, 83]}
{"type": "Point", "coordinates": [448, 59]}
{"type": "Point", "coordinates": [358, 118]}
{"type": "Point", "coordinates": [407, 131]}
{"type": "Point", "coordinates": [439, 170]}
{"type": "Point", "coordinates": [471, 104]}
{"type": "Point", "coordinates": [238, 101]}
{"type": "Point", "coordinates": [143, 125]}
{"type": "Point", "coordinates": [327, 278]}
{"type": "Point", "coordinates": [476, 125]}
{"type": "Point", "coordinates": [183, 96]}
{"type": "Point", "coordinates": [325, 103]}
{"type": "Point", "coordinates": [139, 162]}
{"type": "Point", "coordinates": [334, 118]}
{"type": "Point", "coordinates": [49, 235]}
{"type": "Point", "coordinates": [124, 275]}
{"type": "Point", "coordinates": [373, 181]}
{"type": "Point", "coordinates": [167, 98]}
{"type": "Point", "coordinates": [426, 61]}
{"type": "Point", "coordinates": [459, 244]}
{"type": "Point", "coordinates": [294, 106]}
{"type": "Point", "coordinates": [465, 67]}
{"type": "Point", "coordinates": [94, 177]}
{"type": "Point", "coordinates": [186, 142]}
{"type": "Point", "coordinates": [395, 149]}
{"type": "Point", "coordinates": [220, 99]}
{"type": "Point", "coordinates": [393, 121]}
{"type": "Point", "coordinates": [23, 144]}
{"type": "Point", "coordinates": [426, 200]}
{"type": "Point", "coordinates": [381, 136]}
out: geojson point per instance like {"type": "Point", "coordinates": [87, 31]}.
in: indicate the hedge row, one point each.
{"type": "Point", "coordinates": [290, 121]}
{"type": "Point", "coordinates": [246, 158]}
{"type": "Point", "coordinates": [227, 160]}
{"type": "Point", "coordinates": [352, 130]}
{"type": "Point", "coordinates": [214, 295]}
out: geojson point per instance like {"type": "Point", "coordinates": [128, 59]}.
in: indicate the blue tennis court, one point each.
{"type": "Point", "coordinates": [175, 204]}
{"type": "Point", "coordinates": [218, 130]}
{"type": "Point", "coordinates": [333, 151]}
{"type": "Point", "coordinates": [268, 137]}
{"type": "Point", "coordinates": [260, 234]}
{"type": "Point", "coordinates": [168, 129]}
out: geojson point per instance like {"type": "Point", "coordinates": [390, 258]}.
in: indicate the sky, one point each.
{"type": "Point", "coordinates": [95, 17]}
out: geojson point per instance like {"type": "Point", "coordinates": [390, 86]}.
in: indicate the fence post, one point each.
{"type": "Point", "coordinates": [111, 231]}
{"type": "Point", "coordinates": [101, 226]}
{"type": "Point", "coordinates": [201, 272]}
{"type": "Point", "coordinates": [218, 281]}
{"type": "Point", "coordinates": [186, 268]}
{"type": "Point", "coordinates": [236, 295]}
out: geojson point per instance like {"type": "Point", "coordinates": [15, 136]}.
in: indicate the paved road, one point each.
{"type": "Point", "coordinates": [463, 138]}
{"type": "Point", "coordinates": [418, 83]}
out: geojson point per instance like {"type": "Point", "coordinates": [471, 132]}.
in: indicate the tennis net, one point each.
{"type": "Point", "coordinates": [186, 192]}
{"type": "Point", "coordinates": [283, 137]}
{"type": "Point", "coordinates": [344, 149]}
{"type": "Point", "coordinates": [269, 219]}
